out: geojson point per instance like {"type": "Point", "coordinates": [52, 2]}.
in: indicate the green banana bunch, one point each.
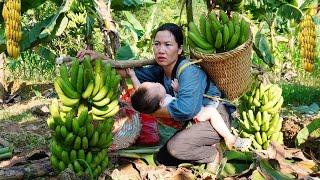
{"type": "Point", "coordinates": [62, 158]}
{"type": "Point", "coordinates": [77, 138]}
{"type": "Point", "coordinates": [86, 93]}
{"type": "Point", "coordinates": [231, 5]}
{"type": "Point", "coordinates": [218, 33]}
{"type": "Point", "coordinates": [260, 115]}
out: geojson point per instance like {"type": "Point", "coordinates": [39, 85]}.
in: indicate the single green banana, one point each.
{"type": "Point", "coordinates": [64, 99]}
{"type": "Point", "coordinates": [224, 17]}
{"type": "Point", "coordinates": [265, 121]}
{"type": "Point", "coordinates": [199, 41]}
{"type": "Point", "coordinates": [114, 111]}
{"type": "Point", "coordinates": [80, 79]}
{"type": "Point", "coordinates": [258, 138]}
{"type": "Point", "coordinates": [97, 82]}
{"type": "Point", "coordinates": [68, 90]}
{"type": "Point", "coordinates": [64, 74]}
{"type": "Point", "coordinates": [102, 102]}
{"type": "Point", "coordinates": [208, 35]}
{"type": "Point", "coordinates": [101, 94]}
{"type": "Point", "coordinates": [87, 93]}
{"type": "Point", "coordinates": [202, 25]}
{"type": "Point", "coordinates": [225, 34]}
{"type": "Point", "coordinates": [74, 72]}
{"type": "Point", "coordinates": [234, 39]}
{"type": "Point", "coordinates": [219, 40]}
{"type": "Point", "coordinates": [193, 28]}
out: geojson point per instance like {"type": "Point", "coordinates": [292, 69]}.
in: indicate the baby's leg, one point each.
{"type": "Point", "coordinates": [231, 140]}
{"type": "Point", "coordinates": [220, 126]}
{"type": "Point", "coordinates": [217, 122]}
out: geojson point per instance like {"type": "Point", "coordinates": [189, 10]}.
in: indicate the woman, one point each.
{"type": "Point", "coordinates": [197, 142]}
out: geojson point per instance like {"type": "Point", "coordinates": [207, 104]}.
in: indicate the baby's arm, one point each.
{"type": "Point", "coordinates": [135, 81]}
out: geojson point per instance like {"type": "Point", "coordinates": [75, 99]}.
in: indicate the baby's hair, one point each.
{"type": "Point", "coordinates": [141, 101]}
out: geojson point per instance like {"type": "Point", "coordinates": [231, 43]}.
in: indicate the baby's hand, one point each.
{"type": "Point", "coordinates": [130, 72]}
{"type": "Point", "coordinates": [175, 85]}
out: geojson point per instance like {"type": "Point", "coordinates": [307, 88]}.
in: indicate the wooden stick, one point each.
{"type": "Point", "coordinates": [121, 63]}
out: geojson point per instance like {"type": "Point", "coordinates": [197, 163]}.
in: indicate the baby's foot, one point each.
{"type": "Point", "coordinates": [241, 144]}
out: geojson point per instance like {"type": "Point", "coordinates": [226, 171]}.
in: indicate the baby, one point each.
{"type": "Point", "coordinates": [156, 97]}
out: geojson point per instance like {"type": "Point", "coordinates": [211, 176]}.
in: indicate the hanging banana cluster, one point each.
{"type": "Point", "coordinates": [82, 122]}
{"type": "Point", "coordinates": [218, 33]}
{"type": "Point", "coordinates": [260, 117]}
{"type": "Point", "coordinates": [11, 15]}
{"type": "Point", "coordinates": [307, 39]}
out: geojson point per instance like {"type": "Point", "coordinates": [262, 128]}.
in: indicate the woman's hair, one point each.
{"type": "Point", "coordinates": [175, 30]}
{"type": "Point", "coordinates": [141, 101]}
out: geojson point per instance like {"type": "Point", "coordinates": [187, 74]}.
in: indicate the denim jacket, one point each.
{"type": "Point", "coordinates": [192, 84]}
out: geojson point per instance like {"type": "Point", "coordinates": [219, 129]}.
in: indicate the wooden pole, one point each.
{"type": "Point", "coordinates": [121, 64]}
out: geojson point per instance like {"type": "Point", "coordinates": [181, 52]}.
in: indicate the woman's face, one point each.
{"type": "Point", "coordinates": [165, 48]}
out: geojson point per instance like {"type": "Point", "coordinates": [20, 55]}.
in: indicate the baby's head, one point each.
{"type": "Point", "coordinates": [147, 97]}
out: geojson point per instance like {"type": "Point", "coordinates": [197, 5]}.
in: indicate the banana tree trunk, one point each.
{"type": "Point", "coordinates": [189, 11]}
{"type": "Point", "coordinates": [2, 78]}
{"type": "Point", "coordinates": [108, 27]}
{"type": "Point", "coordinates": [272, 34]}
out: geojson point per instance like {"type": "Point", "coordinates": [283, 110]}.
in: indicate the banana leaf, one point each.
{"type": "Point", "coordinates": [238, 155]}
{"type": "Point", "coordinates": [129, 4]}
{"type": "Point", "coordinates": [289, 11]}
{"type": "Point", "coordinates": [268, 170]}
{"type": "Point", "coordinates": [125, 53]}
{"type": "Point", "coordinates": [304, 133]}
{"type": "Point", "coordinates": [46, 53]}
{"type": "Point", "coordinates": [262, 49]}
{"type": "Point", "coordinates": [234, 168]}
{"type": "Point", "coordinates": [51, 26]}
{"type": "Point", "coordinates": [308, 4]}
{"type": "Point", "coordinates": [256, 175]}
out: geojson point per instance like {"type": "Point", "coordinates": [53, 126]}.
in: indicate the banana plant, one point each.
{"type": "Point", "coordinates": [269, 12]}
{"type": "Point", "coordinates": [42, 31]}
{"type": "Point", "coordinates": [71, 13]}
{"type": "Point", "coordinates": [138, 42]}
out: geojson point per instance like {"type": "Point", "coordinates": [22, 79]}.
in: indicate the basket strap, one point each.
{"type": "Point", "coordinates": [186, 65]}
{"type": "Point", "coordinates": [217, 98]}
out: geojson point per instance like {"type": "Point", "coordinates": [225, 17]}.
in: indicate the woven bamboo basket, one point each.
{"type": "Point", "coordinates": [231, 70]}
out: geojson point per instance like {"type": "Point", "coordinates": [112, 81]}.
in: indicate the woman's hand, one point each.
{"type": "Point", "coordinates": [93, 55]}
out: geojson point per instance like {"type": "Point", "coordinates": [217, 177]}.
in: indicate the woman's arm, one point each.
{"type": "Point", "coordinates": [152, 73]}
{"type": "Point", "coordinates": [192, 84]}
